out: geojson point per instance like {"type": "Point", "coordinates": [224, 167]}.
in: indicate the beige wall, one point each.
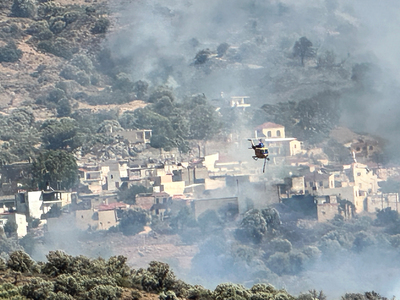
{"type": "Point", "coordinates": [212, 184]}
{"type": "Point", "coordinates": [382, 201]}
{"type": "Point", "coordinates": [202, 205]}
{"type": "Point", "coordinates": [107, 219]}
{"type": "Point", "coordinates": [351, 193]}
{"type": "Point", "coordinates": [19, 219]}
{"type": "Point", "coordinates": [366, 181]}
{"type": "Point", "coordinates": [274, 132]}
{"type": "Point", "coordinates": [174, 188]}
{"type": "Point", "coordinates": [84, 220]}
{"type": "Point", "coordinates": [327, 211]}
{"type": "Point", "coordinates": [295, 147]}
{"type": "Point", "coordinates": [209, 161]}
{"type": "Point", "coordinates": [297, 185]}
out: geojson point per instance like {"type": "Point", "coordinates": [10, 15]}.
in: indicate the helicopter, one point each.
{"type": "Point", "coordinates": [260, 152]}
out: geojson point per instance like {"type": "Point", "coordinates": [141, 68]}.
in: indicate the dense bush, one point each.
{"type": "Point", "coordinates": [101, 26]}
{"type": "Point", "coordinates": [10, 53]}
{"type": "Point", "coordinates": [59, 47]}
{"type": "Point", "coordinates": [23, 8]}
{"type": "Point", "coordinates": [21, 262]}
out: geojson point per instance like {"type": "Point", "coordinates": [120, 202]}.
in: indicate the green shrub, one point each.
{"type": "Point", "coordinates": [10, 53]}
{"type": "Point", "coordinates": [69, 72]}
{"type": "Point", "coordinates": [56, 95]}
{"type": "Point", "coordinates": [37, 289]}
{"type": "Point", "coordinates": [82, 62]}
{"type": "Point", "coordinates": [60, 47]}
{"type": "Point", "coordinates": [64, 108]}
{"type": "Point", "coordinates": [45, 35]}
{"type": "Point", "coordinates": [106, 292]}
{"type": "Point", "coordinates": [70, 17]}
{"type": "Point", "coordinates": [20, 261]}
{"type": "Point", "coordinates": [101, 26]}
{"type": "Point", "coordinates": [8, 291]}
{"type": "Point", "coordinates": [69, 284]}
{"type": "Point", "coordinates": [82, 78]}
{"type": "Point", "coordinates": [23, 8]}
{"type": "Point", "coordinates": [57, 26]}
{"type": "Point", "coordinates": [49, 9]}
{"type": "Point", "coordinates": [169, 295]}
{"type": "Point", "coordinates": [37, 27]}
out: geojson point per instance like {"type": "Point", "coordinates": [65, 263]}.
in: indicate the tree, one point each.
{"type": "Point", "coordinates": [140, 89]}
{"type": "Point", "coordinates": [23, 8]}
{"type": "Point", "coordinates": [303, 48]}
{"type": "Point", "coordinates": [133, 221]}
{"type": "Point", "coordinates": [28, 242]}
{"type": "Point", "coordinates": [202, 56]}
{"type": "Point", "coordinates": [20, 261]}
{"type": "Point", "coordinates": [10, 228]}
{"type": "Point", "coordinates": [253, 226]}
{"type": "Point", "coordinates": [203, 123]}
{"type": "Point", "coordinates": [101, 26]}
{"type": "Point", "coordinates": [61, 134]}
{"type": "Point", "coordinates": [55, 166]}
{"type": "Point", "coordinates": [128, 195]}
{"type": "Point", "coordinates": [183, 219]}
{"type": "Point", "coordinates": [10, 53]}
{"type": "Point", "coordinates": [64, 108]}
{"type": "Point", "coordinates": [222, 48]}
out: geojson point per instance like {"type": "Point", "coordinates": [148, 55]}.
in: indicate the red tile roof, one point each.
{"type": "Point", "coordinates": [112, 206]}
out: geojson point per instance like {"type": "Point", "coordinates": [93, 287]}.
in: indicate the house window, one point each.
{"type": "Point", "coordinates": [371, 147]}
{"type": "Point", "coordinates": [295, 146]}
{"type": "Point", "coordinates": [278, 133]}
{"type": "Point", "coordinates": [157, 200]}
{"type": "Point", "coordinates": [359, 174]}
{"type": "Point", "coordinates": [358, 149]}
{"type": "Point", "coordinates": [269, 134]}
{"type": "Point", "coordinates": [157, 212]}
{"type": "Point", "coordinates": [117, 185]}
{"type": "Point", "coordinates": [311, 183]}
{"type": "Point", "coordinates": [147, 135]}
{"type": "Point", "coordinates": [164, 200]}
{"type": "Point", "coordinates": [321, 183]}
{"type": "Point", "coordinates": [112, 176]}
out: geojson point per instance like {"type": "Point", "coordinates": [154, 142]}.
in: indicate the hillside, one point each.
{"type": "Point", "coordinates": [49, 37]}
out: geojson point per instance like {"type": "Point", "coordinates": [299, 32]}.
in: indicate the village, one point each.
{"type": "Point", "coordinates": [212, 179]}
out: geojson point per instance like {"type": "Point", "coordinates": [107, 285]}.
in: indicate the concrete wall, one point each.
{"type": "Point", "coordinates": [84, 219]}
{"type": "Point", "coordinates": [297, 186]}
{"type": "Point", "coordinates": [107, 219]}
{"type": "Point", "coordinates": [34, 203]}
{"type": "Point", "coordinates": [212, 184]}
{"type": "Point", "coordinates": [327, 211]}
{"type": "Point", "coordinates": [19, 219]}
{"type": "Point", "coordinates": [174, 188]}
{"type": "Point", "coordinates": [351, 193]}
{"type": "Point", "coordinates": [382, 201]}
{"type": "Point", "coordinates": [202, 205]}
{"type": "Point", "coordinates": [295, 147]}
{"type": "Point", "coordinates": [209, 161]}
{"type": "Point", "coordinates": [273, 132]}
